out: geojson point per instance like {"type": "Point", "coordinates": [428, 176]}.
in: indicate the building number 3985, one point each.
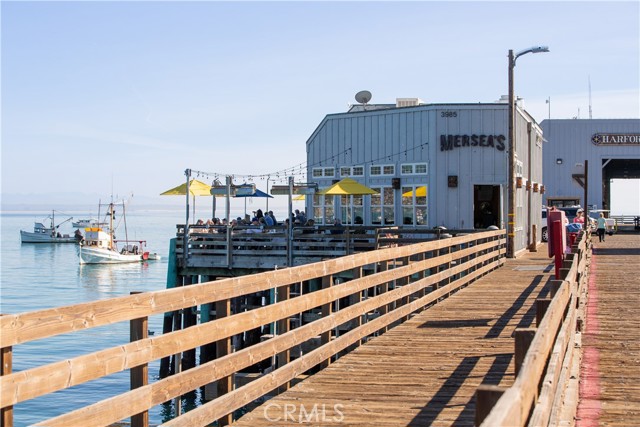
{"type": "Point", "coordinates": [448, 114]}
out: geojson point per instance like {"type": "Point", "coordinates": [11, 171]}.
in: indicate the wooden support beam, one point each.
{"type": "Point", "coordinates": [523, 338]}
{"type": "Point", "coordinates": [139, 375]}
{"type": "Point", "coordinates": [486, 398]}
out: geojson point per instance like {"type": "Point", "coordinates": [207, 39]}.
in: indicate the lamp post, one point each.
{"type": "Point", "coordinates": [511, 221]}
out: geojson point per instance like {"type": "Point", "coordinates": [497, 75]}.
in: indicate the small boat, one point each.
{"type": "Point", "coordinates": [100, 246]}
{"type": "Point", "coordinates": [44, 234]}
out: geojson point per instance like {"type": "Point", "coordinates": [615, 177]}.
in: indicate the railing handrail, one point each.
{"type": "Point", "coordinates": [515, 405]}
{"type": "Point", "coordinates": [60, 320]}
{"type": "Point", "coordinates": [474, 255]}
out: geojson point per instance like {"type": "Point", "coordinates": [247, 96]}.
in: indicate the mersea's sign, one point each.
{"type": "Point", "coordinates": [449, 142]}
{"type": "Point", "coordinates": [616, 139]}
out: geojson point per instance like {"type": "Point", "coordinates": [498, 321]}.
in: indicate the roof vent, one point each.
{"type": "Point", "coordinates": [408, 102]}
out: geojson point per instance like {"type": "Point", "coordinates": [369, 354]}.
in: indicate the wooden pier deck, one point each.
{"type": "Point", "coordinates": [610, 371]}
{"type": "Point", "coordinates": [425, 371]}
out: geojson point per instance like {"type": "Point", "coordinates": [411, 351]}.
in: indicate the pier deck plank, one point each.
{"type": "Point", "coordinates": [610, 371]}
{"type": "Point", "coordinates": [425, 371]}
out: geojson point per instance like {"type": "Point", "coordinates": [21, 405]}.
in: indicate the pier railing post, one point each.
{"type": "Point", "coordinates": [542, 305]}
{"type": "Point", "coordinates": [223, 348]}
{"type": "Point", "coordinates": [139, 375]}
{"type": "Point", "coordinates": [523, 338]}
{"type": "Point", "coordinates": [6, 414]}
{"type": "Point", "coordinates": [325, 337]}
{"type": "Point", "coordinates": [282, 328]}
{"type": "Point", "coordinates": [486, 398]}
{"type": "Point", "coordinates": [384, 288]}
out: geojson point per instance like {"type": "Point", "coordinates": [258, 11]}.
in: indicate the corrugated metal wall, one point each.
{"type": "Point", "coordinates": [570, 140]}
{"type": "Point", "coordinates": [414, 134]}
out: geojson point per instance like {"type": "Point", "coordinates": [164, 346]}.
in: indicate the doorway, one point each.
{"type": "Point", "coordinates": [486, 206]}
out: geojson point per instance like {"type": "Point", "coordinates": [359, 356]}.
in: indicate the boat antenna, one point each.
{"type": "Point", "coordinates": [590, 112]}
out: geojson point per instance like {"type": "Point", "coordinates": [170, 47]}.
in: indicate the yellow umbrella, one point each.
{"type": "Point", "coordinates": [419, 192]}
{"type": "Point", "coordinates": [300, 197]}
{"type": "Point", "coordinates": [347, 187]}
{"type": "Point", "coordinates": [196, 188]}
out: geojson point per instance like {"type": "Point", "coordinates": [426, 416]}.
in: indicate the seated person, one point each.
{"type": "Point", "coordinates": [339, 228]}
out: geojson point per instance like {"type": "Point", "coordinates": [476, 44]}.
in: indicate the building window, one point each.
{"type": "Point", "coordinates": [323, 172]}
{"type": "Point", "coordinates": [414, 205]}
{"type": "Point", "coordinates": [351, 171]}
{"type": "Point", "coordinates": [352, 209]}
{"type": "Point", "coordinates": [377, 170]}
{"type": "Point", "coordinates": [382, 206]}
{"type": "Point", "coordinates": [413, 169]}
{"type": "Point", "coordinates": [323, 209]}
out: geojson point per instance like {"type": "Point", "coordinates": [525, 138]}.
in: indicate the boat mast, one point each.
{"type": "Point", "coordinates": [124, 218]}
{"type": "Point", "coordinates": [111, 225]}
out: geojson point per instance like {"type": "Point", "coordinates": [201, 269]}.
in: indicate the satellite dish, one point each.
{"type": "Point", "coordinates": [363, 96]}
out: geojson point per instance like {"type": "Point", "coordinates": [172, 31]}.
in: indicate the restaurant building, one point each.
{"type": "Point", "coordinates": [591, 151]}
{"type": "Point", "coordinates": [432, 165]}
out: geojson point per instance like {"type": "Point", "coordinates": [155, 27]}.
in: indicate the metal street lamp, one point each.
{"type": "Point", "coordinates": [511, 222]}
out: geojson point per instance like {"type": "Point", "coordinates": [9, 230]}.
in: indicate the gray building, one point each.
{"type": "Point", "coordinates": [607, 148]}
{"type": "Point", "coordinates": [432, 164]}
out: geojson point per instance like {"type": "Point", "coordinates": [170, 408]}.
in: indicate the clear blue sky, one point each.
{"type": "Point", "coordinates": [130, 94]}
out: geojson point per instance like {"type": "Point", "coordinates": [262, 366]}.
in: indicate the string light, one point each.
{"type": "Point", "coordinates": [300, 170]}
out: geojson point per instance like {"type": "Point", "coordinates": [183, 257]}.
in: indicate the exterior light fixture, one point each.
{"type": "Point", "coordinates": [558, 161]}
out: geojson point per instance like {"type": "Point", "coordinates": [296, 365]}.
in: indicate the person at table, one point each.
{"type": "Point", "coordinates": [338, 227]}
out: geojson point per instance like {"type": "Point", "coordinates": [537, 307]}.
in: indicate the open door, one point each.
{"type": "Point", "coordinates": [486, 206]}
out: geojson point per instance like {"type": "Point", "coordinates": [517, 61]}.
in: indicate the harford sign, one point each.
{"type": "Point", "coordinates": [616, 139]}
{"type": "Point", "coordinates": [449, 142]}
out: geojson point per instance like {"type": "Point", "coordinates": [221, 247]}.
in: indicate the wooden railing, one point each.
{"type": "Point", "coordinates": [403, 280]}
{"type": "Point", "coordinates": [545, 357]}
{"type": "Point", "coordinates": [252, 247]}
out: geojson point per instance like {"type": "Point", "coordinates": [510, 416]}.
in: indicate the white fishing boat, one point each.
{"type": "Point", "coordinates": [101, 247]}
{"type": "Point", "coordinates": [51, 234]}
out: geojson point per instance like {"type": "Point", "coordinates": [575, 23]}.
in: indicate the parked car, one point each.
{"type": "Point", "coordinates": [570, 212]}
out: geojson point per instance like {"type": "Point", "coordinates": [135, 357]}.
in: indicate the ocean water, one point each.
{"type": "Point", "coordinates": [38, 276]}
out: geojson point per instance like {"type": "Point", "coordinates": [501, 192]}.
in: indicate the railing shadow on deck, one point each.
{"type": "Point", "coordinates": [401, 280]}
{"type": "Point", "coordinates": [545, 356]}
